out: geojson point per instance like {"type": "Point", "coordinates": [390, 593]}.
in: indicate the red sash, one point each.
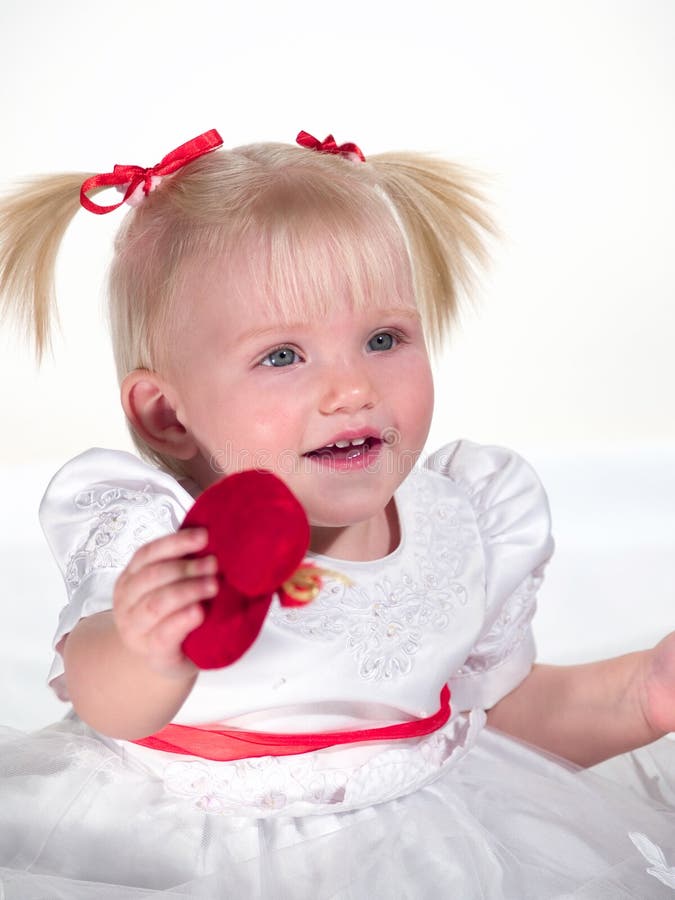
{"type": "Point", "coordinates": [225, 745]}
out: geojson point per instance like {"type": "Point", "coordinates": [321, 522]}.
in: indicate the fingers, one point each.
{"type": "Point", "coordinates": [157, 597]}
{"type": "Point", "coordinates": [161, 563]}
{"type": "Point", "coordinates": [172, 631]}
{"type": "Point", "coordinates": [166, 600]}
{"type": "Point", "coordinates": [149, 581]}
{"type": "Point", "coordinates": [173, 546]}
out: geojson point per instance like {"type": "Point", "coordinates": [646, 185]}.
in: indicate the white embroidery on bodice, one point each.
{"type": "Point", "coordinates": [384, 620]}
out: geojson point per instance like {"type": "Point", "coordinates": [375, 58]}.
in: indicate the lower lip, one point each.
{"type": "Point", "coordinates": [356, 459]}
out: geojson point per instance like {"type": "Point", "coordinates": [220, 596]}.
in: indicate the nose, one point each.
{"type": "Point", "coordinates": [347, 387]}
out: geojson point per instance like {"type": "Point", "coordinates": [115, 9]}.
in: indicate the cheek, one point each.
{"type": "Point", "coordinates": [270, 425]}
{"type": "Point", "coordinates": [417, 395]}
{"type": "Point", "coordinates": [261, 435]}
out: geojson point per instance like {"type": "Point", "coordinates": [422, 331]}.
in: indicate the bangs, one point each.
{"type": "Point", "coordinates": [303, 251]}
{"type": "Point", "coordinates": [307, 260]}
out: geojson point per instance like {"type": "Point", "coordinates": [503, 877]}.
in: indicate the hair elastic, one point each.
{"type": "Point", "coordinates": [138, 181]}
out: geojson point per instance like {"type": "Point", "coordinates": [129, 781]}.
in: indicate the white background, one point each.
{"type": "Point", "coordinates": [568, 107]}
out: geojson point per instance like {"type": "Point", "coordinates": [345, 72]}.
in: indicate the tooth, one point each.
{"type": "Point", "coordinates": [358, 441]}
{"type": "Point", "coordinates": [330, 445]}
{"type": "Point", "coordinates": [342, 444]}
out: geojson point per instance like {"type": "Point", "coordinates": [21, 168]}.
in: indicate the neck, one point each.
{"type": "Point", "coordinates": [362, 542]}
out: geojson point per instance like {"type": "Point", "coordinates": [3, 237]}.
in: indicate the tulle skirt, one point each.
{"type": "Point", "coordinates": [81, 821]}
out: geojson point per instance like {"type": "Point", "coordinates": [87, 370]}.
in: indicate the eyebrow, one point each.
{"type": "Point", "coordinates": [253, 333]}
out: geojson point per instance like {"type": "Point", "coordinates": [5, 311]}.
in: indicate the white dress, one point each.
{"type": "Point", "coordinates": [462, 812]}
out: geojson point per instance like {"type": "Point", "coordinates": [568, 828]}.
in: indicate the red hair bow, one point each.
{"type": "Point", "coordinates": [135, 177]}
{"type": "Point", "coordinates": [328, 145]}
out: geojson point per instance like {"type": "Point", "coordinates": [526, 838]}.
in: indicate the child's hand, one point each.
{"type": "Point", "coordinates": [156, 601]}
{"type": "Point", "coordinates": [659, 686]}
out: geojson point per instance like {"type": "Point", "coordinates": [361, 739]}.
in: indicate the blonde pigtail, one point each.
{"type": "Point", "coordinates": [33, 221]}
{"type": "Point", "coordinates": [444, 217]}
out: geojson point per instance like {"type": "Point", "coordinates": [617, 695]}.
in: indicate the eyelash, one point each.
{"type": "Point", "coordinates": [398, 337]}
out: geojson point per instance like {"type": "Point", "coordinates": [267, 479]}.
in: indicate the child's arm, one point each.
{"type": "Point", "coordinates": [588, 713]}
{"type": "Point", "coordinates": [125, 671]}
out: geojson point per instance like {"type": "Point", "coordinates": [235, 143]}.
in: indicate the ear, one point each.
{"type": "Point", "coordinates": [150, 409]}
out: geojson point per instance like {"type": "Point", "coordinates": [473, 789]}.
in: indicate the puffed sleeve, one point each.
{"type": "Point", "coordinates": [96, 512]}
{"type": "Point", "coordinates": [513, 519]}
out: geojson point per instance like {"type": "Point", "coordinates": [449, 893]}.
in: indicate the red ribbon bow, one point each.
{"type": "Point", "coordinates": [135, 176]}
{"type": "Point", "coordinates": [328, 145]}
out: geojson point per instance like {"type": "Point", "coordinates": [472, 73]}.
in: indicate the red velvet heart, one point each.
{"type": "Point", "coordinates": [259, 533]}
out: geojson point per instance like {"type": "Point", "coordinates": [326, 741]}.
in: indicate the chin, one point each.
{"type": "Point", "coordinates": [343, 512]}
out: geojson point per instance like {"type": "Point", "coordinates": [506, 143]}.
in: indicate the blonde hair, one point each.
{"type": "Point", "coordinates": [295, 217]}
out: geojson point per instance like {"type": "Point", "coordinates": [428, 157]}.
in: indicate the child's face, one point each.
{"type": "Point", "coordinates": [254, 392]}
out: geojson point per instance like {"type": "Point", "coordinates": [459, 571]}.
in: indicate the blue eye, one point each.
{"type": "Point", "coordinates": [283, 356]}
{"type": "Point", "coordinates": [382, 341]}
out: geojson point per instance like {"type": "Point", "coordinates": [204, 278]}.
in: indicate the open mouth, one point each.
{"type": "Point", "coordinates": [353, 449]}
